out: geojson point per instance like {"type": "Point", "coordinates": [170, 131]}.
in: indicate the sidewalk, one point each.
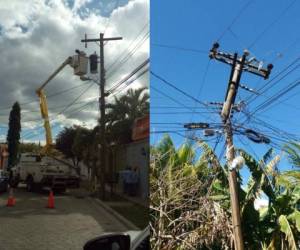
{"type": "Point", "coordinates": [131, 211]}
{"type": "Point", "coordinates": [133, 199]}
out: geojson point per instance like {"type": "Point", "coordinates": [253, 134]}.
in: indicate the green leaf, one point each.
{"type": "Point", "coordinates": [218, 197]}
{"type": "Point", "coordinates": [295, 217]}
{"type": "Point", "coordinates": [286, 229]}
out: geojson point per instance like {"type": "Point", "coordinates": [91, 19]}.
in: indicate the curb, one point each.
{"type": "Point", "coordinates": [120, 217]}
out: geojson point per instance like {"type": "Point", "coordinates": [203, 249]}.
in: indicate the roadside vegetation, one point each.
{"type": "Point", "coordinates": [80, 144]}
{"type": "Point", "coordinates": [190, 203]}
{"type": "Point", "coordinates": [13, 134]}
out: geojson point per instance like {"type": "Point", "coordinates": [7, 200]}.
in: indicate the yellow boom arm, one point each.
{"type": "Point", "coordinates": [44, 107]}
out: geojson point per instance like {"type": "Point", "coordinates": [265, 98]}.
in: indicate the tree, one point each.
{"type": "Point", "coordinates": [13, 134]}
{"type": "Point", "coordinates": [122, 113]}
{"type": "Point", "coordinates": [64, 143]}
{"type": "Point", "coordinates": [80, 144]}
{"type": "Point", "coordinates": [83, 146]}
{"type": "Point", "coordinates": [29, 147]}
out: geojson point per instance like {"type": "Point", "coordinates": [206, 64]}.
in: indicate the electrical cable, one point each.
{"type": "Point", "coordinates": [176, 88]}
{"type": "Point", "coordinates": [235, 19]}
{"type": "Point", "coordinates": [127, 77]}
{"type": "Point", "coordinates": [179, 48]}
{"type": "Point", "coordinates": [260, 35]}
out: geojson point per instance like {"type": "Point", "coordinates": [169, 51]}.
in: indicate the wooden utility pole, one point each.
{"type": "Point", "coordinates": [238, 65]}
{"type": "Point", "coordinates": [103, 150]}
{"type": "Point", "coordinates": [232, 178]}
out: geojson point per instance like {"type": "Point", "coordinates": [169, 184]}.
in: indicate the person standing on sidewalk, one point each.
{"type": "Point", "coordinates": [133, 181]}
{"type": "Point", "coordinates": [125, 178]}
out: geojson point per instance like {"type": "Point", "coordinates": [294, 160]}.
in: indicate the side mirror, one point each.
{"type": "Point", "coordinates": [109, 242]}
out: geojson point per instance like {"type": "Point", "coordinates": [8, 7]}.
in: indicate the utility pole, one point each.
{"type": "Point", "coordinates": [102, 108]}
{"type": "Point", "coordinates": [238, 65]}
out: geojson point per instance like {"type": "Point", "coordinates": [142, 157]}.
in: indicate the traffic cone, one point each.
{"type": "Point", "coordinates": [50, 200]}
{"type": "Point", "coordinates": [11, 199]}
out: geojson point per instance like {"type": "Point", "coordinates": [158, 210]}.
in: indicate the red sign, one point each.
{"type": "Point", "coordinates": [141, 128]}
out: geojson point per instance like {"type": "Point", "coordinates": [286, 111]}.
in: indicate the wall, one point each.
{"type": "Point", "coordinates": [135, 154]}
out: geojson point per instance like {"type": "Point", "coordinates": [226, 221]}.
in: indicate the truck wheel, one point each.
{"type": "Point", "coordinates": [29, 184]}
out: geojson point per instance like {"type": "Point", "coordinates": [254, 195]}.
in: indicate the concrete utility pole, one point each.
{"type": "Point", "coordinates": [238, 65]}
{"type": "Point", "coordinates": [102, 107]}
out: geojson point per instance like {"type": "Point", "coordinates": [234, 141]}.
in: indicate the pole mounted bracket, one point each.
{"type": "Point", "coordinates": [252, 65]}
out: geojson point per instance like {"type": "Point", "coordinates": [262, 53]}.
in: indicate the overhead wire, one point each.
{"type": "Point", "coordinates": [260, 35]}
{"type": "Point", "coordinates": [179, 48]}
{"type": "Point", "coordinates": [202, 84]}
{"type": "Point", "coordinates": [237, 16]}
{"type": "Point", "coordinates": [127, 77]}
{"type": "Point", "coordinates": [128, 52]}
{"type": "Point", "coordinates": [266, 86]}
{"type": "Point", "coordinates": [276, 96]}
{"type": "Point", "coordinates": [178, 89]}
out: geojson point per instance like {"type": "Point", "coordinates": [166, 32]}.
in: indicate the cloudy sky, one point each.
{"type": "Point", "coordinates": [36, 36]}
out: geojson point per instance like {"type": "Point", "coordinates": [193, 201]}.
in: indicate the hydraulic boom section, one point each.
{"type": "Point", "coordinates": [44, 106]}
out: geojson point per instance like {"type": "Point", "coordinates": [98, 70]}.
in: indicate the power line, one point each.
{"type": "Point", "coordinates": [276, 96]}
{"type": "Point", "coordinates": [77, 98]}
{"type": "Point", "coordinates": [169, 97]}
{"type": "Point", "coordinates": [130, 82]}
{"type": "Point", "coordinates": [235, 19]}
{"type": "Point", "coordinates": [126, 78]}
{"type": "Point", "coordinates": [49, 96]}
{"type": "Point", "coordinates": [202, 83]}
{"type": "Point", "coordinates": [176, 88]}
{"type": "Point", "coordinates": [179, 48]}
{"type": "Point", "coordinates": [127, 57]}
{"type": "Point", "coordinates": [179, 113]}
{"type": "Point", "coordinates": [266, 87]}
{"type": "Point", "coordinates": [123, 56]}
{"type": "Point", "coordinates": [260, 35]}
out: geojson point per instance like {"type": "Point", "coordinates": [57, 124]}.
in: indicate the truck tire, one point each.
{"type": "Point", "coordinates": [29, 184]}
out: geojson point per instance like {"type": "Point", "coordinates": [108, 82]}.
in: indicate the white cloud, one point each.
{"type": "Point", "coordinates": [35, 38]}
{"type": "Point", "coordinates": [79, 4]}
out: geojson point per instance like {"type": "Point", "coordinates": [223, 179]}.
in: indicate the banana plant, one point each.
{"type": "Point", "coordinates": [277, 227]}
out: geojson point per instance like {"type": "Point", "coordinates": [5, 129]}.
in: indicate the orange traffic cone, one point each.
{"type": "Point", "coordinates": [50, 200]}
{"type": "Point", "coordinates": [11, 200]}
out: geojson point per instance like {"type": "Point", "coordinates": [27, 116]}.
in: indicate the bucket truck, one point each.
{"type": "Point", "coordinates": [47, 169]}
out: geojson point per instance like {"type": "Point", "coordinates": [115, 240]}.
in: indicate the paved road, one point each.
{"type": "Point", "coordinates": [31, 226]}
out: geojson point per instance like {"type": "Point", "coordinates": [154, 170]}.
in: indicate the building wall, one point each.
{"type": "Point", "coordinates": [135, 154]}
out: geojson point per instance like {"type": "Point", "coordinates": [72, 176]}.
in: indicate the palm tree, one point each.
{"type": "Point", "coordinates": [122, 113]}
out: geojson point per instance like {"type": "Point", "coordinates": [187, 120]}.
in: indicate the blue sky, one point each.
{"type": "Point", "coordinates": [268, 29]}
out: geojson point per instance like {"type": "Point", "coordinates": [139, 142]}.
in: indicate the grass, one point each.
{"type": "Point", "coordinates": [135, 213]}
